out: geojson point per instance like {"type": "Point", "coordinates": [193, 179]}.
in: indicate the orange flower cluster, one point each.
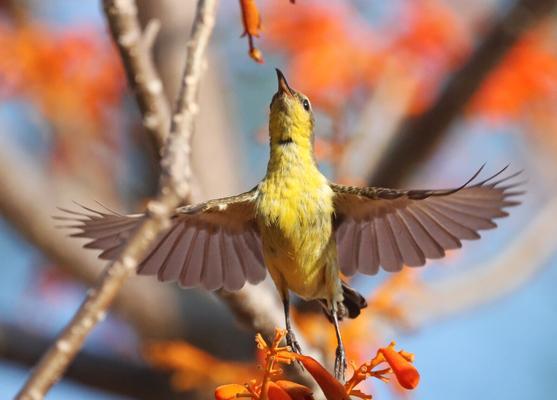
{"type": "Point", "coordinates": [434, 43]}
{"type": "Point", "coordinates": [335, 54]}
{"type": "Point", "coordinates": [271, 388]}
{"type": "Point", "coordinates": [329, 48]}
{"type": "Point", "coordinates": [65, 74]}
{"type": "Point", "coordinates": [526, 76]}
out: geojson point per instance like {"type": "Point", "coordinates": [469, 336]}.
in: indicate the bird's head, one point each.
{"type": "Point", "coordinates": [291, 117]}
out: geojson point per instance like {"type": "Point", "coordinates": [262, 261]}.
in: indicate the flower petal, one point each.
{"type": "Point", "coordinates": [406, 374]}
{"type": "Point", "coordinates": [333, 389]}
{"type": "Point", "coordinates": [250, 17]}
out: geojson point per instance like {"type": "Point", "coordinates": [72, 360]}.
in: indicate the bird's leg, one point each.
{"type": "Point", "coordinates": [340, 359]}
{"type": "Point", "coordinates": [290, 338]}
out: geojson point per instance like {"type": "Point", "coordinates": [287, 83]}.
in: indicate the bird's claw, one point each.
{"type": "Point", "coordinates": [293, 343]}
{"type": "Point", "coordinates": [340, 364]}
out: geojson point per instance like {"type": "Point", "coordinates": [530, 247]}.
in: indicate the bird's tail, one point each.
{"type": "Point", "coordinates": [353, 301]}
{"type": "Point", "coordinates": [351, 305]}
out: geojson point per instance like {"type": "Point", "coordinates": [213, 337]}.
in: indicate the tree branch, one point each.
{"type": "Point", "coordinates": [135, 48]}
{"type": "Point", "coordinates": [419, 137]}
{"type": "Point", "coordinates": [116, 375]}
{"type": "Point", "coordinates": [174, 190]}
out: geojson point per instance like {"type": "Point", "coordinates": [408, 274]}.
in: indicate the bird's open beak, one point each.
{"type": "Point", "coordinates": [283, 85]}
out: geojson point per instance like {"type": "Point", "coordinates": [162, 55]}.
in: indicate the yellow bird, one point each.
{"type": "Point", "coordinates": [304, 229]}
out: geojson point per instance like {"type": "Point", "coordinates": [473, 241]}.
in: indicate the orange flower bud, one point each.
{"type": "Point", "coordinates": [250, 17]}
{"type": "Point", "coordinates": [230, 392]}
{"type": "Point", "coordinates": [256, 55]}
{"type": "Point", "coordinates": [333, 389]}
{"type": "Point", "coordinates": [295, 390]}
{"type": "Point", "coordinates": [406, 374]}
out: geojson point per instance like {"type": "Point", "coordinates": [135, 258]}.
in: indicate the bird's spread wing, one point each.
{"type": "Point", "coordinates": [391, 228]}
{"type": "Point", "coordinates": [213, 244]}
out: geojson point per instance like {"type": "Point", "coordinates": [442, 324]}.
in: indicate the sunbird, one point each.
{"type": "Point", "coordinates": [302, 228]}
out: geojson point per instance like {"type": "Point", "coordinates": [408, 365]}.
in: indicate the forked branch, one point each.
{"type": "Point", "coordinates": [174, 190]}
{"type": "Point", "coordinates": [135, 48]}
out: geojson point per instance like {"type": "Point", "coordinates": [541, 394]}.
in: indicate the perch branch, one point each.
{"type": "Point", "coordinates": [419, 137]}
{"type": "Point", "coordinates": [174, 190]}
{"type": "Point", "coordinates": [135, 48]}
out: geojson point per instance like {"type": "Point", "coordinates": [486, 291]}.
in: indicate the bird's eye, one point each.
{"type": "Point", "coordinates": [306, 104]}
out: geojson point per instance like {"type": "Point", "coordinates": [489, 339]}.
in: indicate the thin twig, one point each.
{"type": "Point", "coordinates": [174, 190]}
{"type": "Point", "coordinates": [135, 48]}
{"type": "Point", "coordinates": [109, 373]}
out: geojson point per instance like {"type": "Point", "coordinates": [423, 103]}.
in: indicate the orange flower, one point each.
{"type": "Point", "coordinates": [333, 389]}
{"type": "Point", "coordinates": [329, 48]}
{"type": "Point", "coordinates": [73, 73]}
{"type": "Point", "coordinates": [401, 363]}
{"type": "Point", "coordinates": [345, 55]}
{"type": "Point", "coordinates": [272, 389]}
{"type": "Point", "coordinates": [252, 27]}
{"type": "Point", "coordinates": [526, 75]}
{"type": "Point", "coordinates": [250, 18]}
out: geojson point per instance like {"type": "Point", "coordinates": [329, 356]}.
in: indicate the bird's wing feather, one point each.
{"type": "Point", "coordinates": [213, 244]}
{"type": "Point", "coordinates": [387, 228]}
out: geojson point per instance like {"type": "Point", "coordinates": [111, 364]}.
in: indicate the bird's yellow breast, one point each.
{"type": "Point", "coordinates": [294, 214]}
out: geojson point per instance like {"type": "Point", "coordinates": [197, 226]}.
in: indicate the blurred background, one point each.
{"type": "Point", "coordinates": [407, 93]}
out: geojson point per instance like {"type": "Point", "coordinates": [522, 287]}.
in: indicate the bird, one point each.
{"type": "Point", "coordinates": [309, 233]}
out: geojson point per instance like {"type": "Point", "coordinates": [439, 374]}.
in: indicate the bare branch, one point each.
{"type": "Point", "coordinates": [216, 117]}
{"type": "Point", "coordinates": [174, 190]}
{"type": "Point", "coordinates": [136, 51]}
{"type": "Point", "coordinates": [419, 137]}
{"type": "Point", "coordinates": [116, 375]}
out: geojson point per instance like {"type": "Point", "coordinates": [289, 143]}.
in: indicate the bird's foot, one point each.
{"type": "Point", "coordinates": [340, 364]}
{"type": "Point", "coordinates": [294, 345]}
{"type": "Point", "coordinates": [292, 342]}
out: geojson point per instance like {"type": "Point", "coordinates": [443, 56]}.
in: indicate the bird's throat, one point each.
{"type": "Point", "coordinates": [285, 141]}
{"type": "Point", "coordinates": [291, 156]}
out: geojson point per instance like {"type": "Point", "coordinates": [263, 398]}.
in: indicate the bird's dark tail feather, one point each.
{"type": "Point", "coordinates": [352, 304]}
